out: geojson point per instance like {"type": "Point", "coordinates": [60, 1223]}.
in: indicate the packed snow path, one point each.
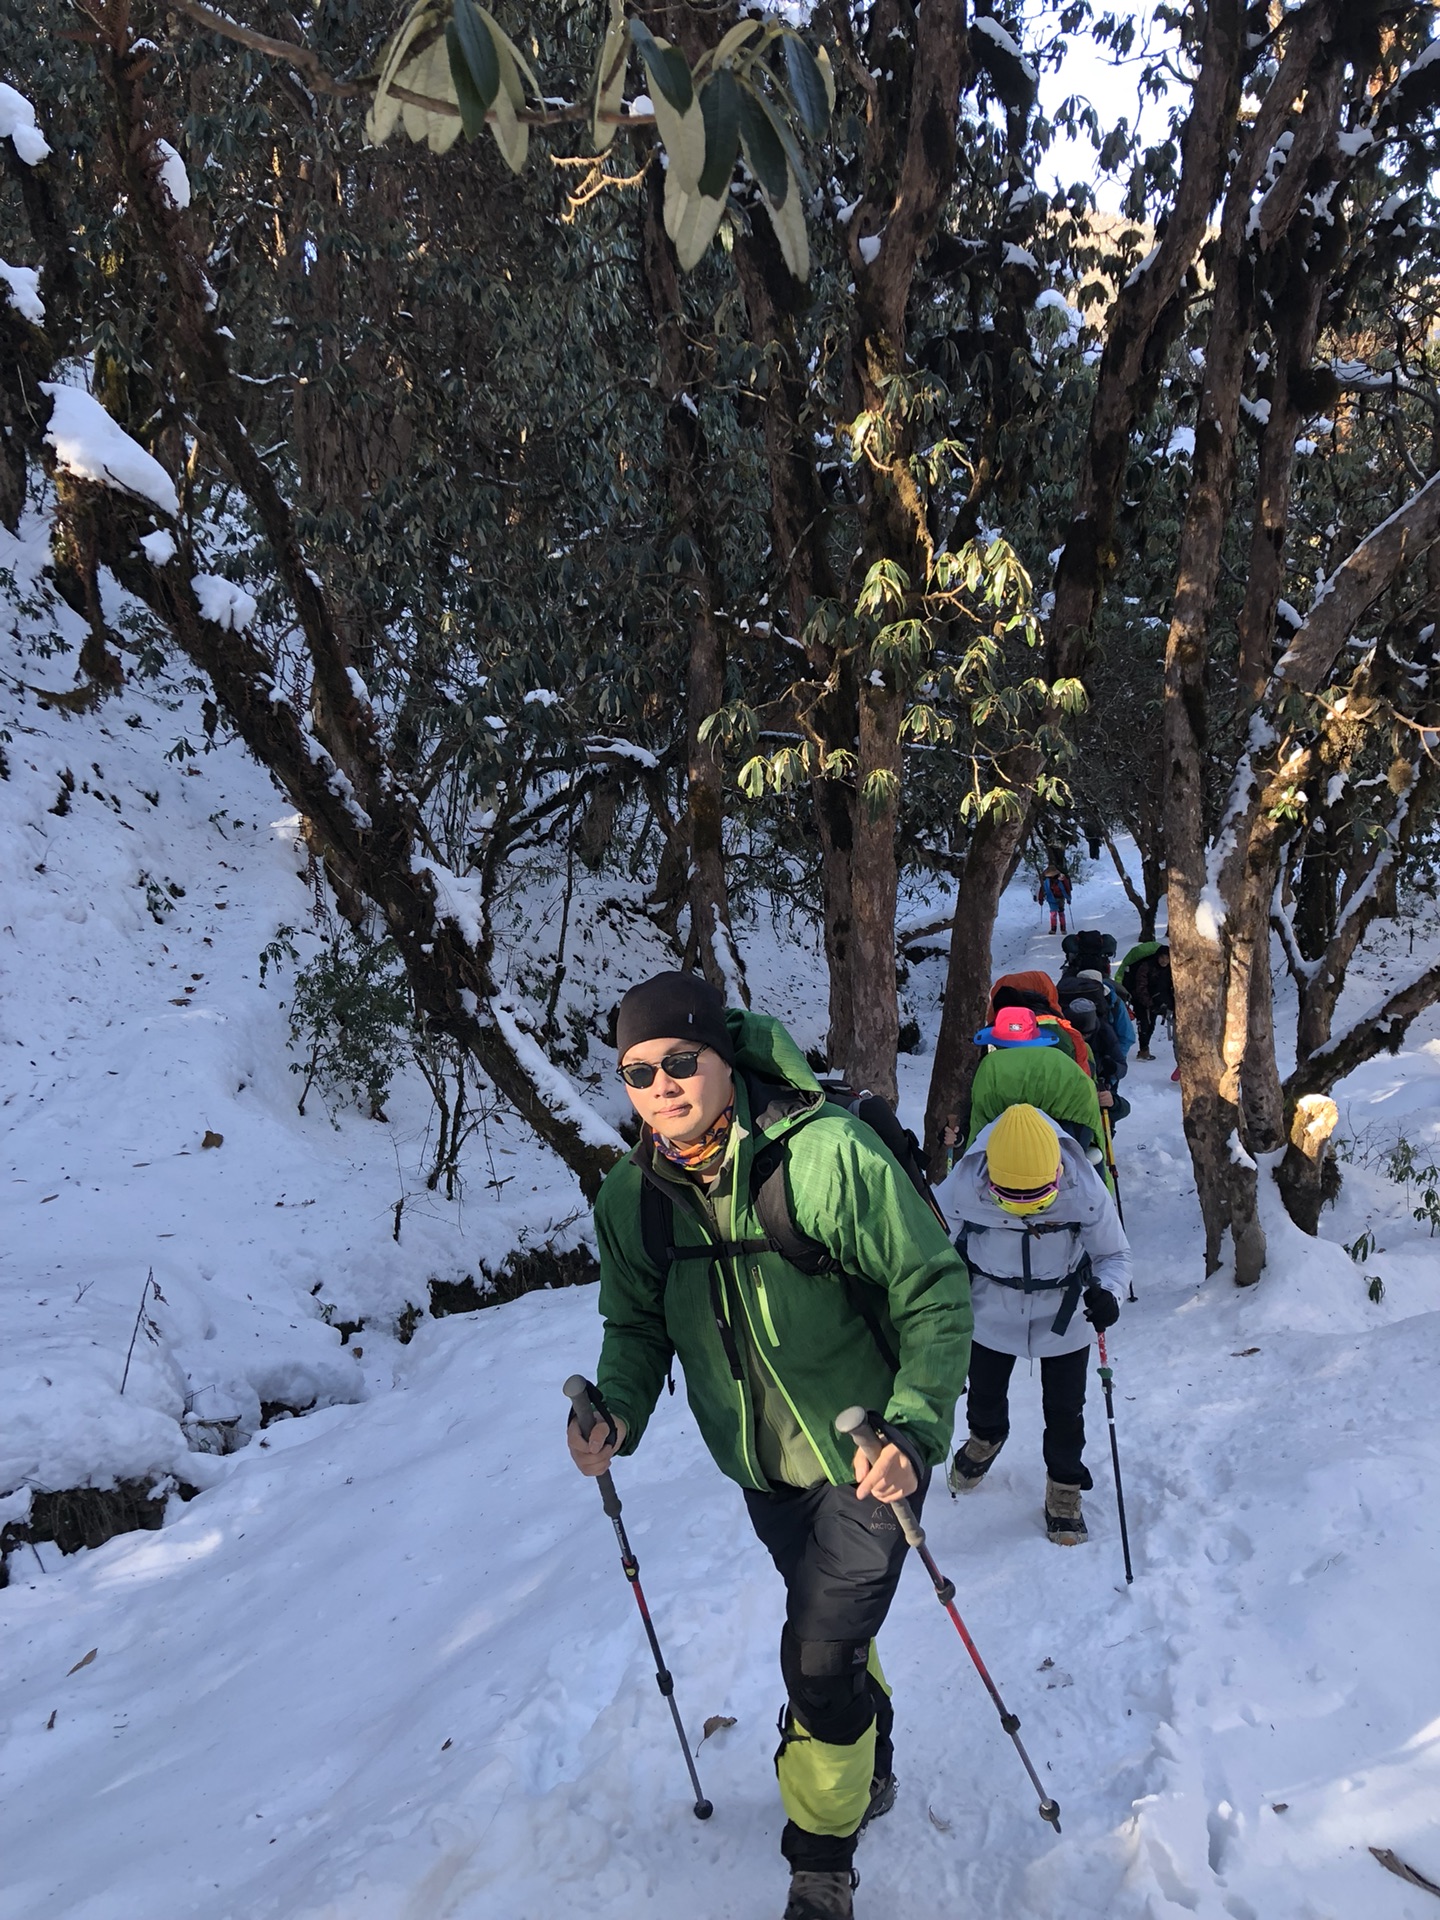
{"type": "Point", "coordinates": [386, 1668]}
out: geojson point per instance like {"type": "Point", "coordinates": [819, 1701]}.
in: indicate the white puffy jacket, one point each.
{"type": "Point", "coordinates": [1007, 1319]}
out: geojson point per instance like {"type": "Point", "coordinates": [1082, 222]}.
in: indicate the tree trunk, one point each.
{"type": "Point", "coordinates": [875, 1011]}
{"type": "Point", "coordinates": [709, 893]}
{"type": "Point", "coordinates": [1305, 1175]}
{"type": "Point", "coordinates": [686, 471]}
{"type": "Point", "coordinates": [989, 863]}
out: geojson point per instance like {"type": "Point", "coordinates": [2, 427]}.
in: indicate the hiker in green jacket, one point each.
{"type": "Point", "coordinates": [772, 1352]}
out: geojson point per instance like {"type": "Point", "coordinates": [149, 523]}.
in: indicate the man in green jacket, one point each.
{"type": "Point", "coordinates": [871, 1308]}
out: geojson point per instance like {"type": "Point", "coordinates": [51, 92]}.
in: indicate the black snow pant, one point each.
{"type": "Point", "coordinates": [1146, 1021]}
{"type": "Point", "coordinates": [840, 1559]}
{"type": "Point", "coordinates": [1062, 1393]}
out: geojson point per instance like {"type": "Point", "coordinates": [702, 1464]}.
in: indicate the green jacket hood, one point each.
{"type": "Point", "coordinates": [763, 1046]}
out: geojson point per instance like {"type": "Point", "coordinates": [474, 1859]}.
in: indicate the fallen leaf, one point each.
{"type": "Point", "coordinates": [941, 1826]}
{"type": "Point", "coordinates": [1045, 1665]}
{"type": "Point", "coordinates": [83, 1663]}
{"type": "Point", "coordinates": [48, 1198]}
{"type": "Point", "coordinates": [1392, 1863]}
{"type": "Point", "coordinates": [213, 1139]}
{"type": "Point", "coordinates": [50, 1723]}
{"type": "Point", "coordinates": [447, 1746]}
{"type": "Point", "coordinates": [717, 1723]}
{"type": "Point", "coordinates": [1281, 1806]}
{"type": "Point", "coordinates": [1244, 1353]}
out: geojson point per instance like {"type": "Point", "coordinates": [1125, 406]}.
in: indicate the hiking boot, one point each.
{"type": "Point", "coordinates": [1064, 1521]}
{"type": "Point", "coordinates": [1144, 1054]}
{"type": "Point", "coordinates": [971, 1464]}
{"type": "Point", "coordinates": [882, 1799]}
{"type": "Point", "coordinates": [822, 1896]}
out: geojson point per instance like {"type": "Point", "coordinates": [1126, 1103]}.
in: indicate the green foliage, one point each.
{"type": "Point", "coordinates": [1404, 1167]}
{"type": "Point", "coordinates": [350, 1016]}
{"type": "Point", "coordinates": [439, 78]}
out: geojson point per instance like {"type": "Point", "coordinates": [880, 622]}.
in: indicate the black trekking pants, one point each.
{"type": "Point", "coordinates": [1145, 1023]}
{"type": "Point", "coordinates": [840, 1559]}
{"type": "Point", "coordinates": [1062, 1393]}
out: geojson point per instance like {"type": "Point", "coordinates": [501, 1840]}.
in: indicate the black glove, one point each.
{"type": "Point", "coordinates": [1102, 1309]}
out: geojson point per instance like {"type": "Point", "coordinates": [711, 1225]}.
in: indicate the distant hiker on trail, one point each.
{"type": "Point", "coordinates": [1088, 954]}
{"type": "Point", "coordinates": [1151, 986]}
{"type": "Point", "coordinates": [1027, 1067]}
{"type": "Point", "coordinates": [870, 1307]}
{"type": "Point", "coordinates": [1039, 1232]}
{"type": "Point", "coordinates": [1054, 892]}
{"type": "Point", "coordinates": [1087, 1008]}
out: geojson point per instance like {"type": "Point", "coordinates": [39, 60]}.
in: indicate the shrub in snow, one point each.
{"type": "Point", "coordinates": [350, 1018]}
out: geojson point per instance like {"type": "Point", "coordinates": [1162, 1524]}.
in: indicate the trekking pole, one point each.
{"type": "Point", "coordinates": [1106, 1129]}
{"type": "Point", "coordinates": [589, 1407]}
{"type": "Point", "coordinates": [854, 1424]}
{"type": "Point", "coordinates": [1114, 1176]}
{"type": "Point", "coordinates": [1106, 1377]}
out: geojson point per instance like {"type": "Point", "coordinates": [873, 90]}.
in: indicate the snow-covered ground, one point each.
{"type": "Point", "coordinates": [384, 1666]}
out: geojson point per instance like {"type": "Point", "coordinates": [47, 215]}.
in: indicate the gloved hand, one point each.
{"type": "Point", "coordinates": [1102, 1309]}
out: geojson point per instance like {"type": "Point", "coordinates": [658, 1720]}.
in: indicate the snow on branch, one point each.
{"type": "Point", "coordinates": [1380, 1030]}
{"type": "Point", "coordinates": [458, 898]}
{"type": "Point", "coordinates": [554, 1088]}
{"type": "Point", "coordinates": [21, 287]}
{"type": "Point", "coordinates": [89, 445]}
{"type": "Point", "coordinates": [18, 126]}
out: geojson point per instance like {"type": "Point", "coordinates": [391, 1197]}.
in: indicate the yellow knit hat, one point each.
{"type": "Point", "coordinates": [1023, 1157]}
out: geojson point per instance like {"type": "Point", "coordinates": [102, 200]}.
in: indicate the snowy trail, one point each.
{"type": "Point", "coordinates": [386, 1668]}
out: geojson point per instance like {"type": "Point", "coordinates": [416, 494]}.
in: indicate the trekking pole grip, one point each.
{"type": "Point", "coordinates": [589, 1408]}
{"type": "Point", "coordinates": [854, 1425]}
{"type": "Point", "coordinates": [577, 1392]}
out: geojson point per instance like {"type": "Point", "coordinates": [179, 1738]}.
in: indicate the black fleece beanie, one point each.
{"type": "Point", "coordinates": [674, 1006]}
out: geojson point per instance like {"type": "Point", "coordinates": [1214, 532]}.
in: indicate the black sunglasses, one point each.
{"type": "Point", "coordinates": [679, 1066]}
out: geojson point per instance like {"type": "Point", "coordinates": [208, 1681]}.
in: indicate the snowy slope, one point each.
{"type": "Point", "coordinates": [137, 891]}
{"type": "Point", "coordinates": [385, 1666]}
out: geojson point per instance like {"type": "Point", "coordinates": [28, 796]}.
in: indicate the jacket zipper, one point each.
{"type": "Point", "coordinates": [763, 1297]}
{"type": "Point", "coordinates": [780, 1384]}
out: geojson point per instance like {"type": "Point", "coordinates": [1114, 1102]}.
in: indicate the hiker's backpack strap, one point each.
{"type": "Point", "coordinates": [882, 1119]}
{"type": "Point", "coordinates": [657, 1227]}
{"type": "Point", "coordinates": [771, 1200]}
{"type": "Point", "coordinates": [1074, 1282]}
{"type": "Point", "coordinates": [657, 1233]}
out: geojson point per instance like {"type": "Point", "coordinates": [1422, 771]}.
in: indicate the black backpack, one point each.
{"type": "Point", "coordinates": [1089, 948]}
{"type": "Point", "coordinates": [772, 1203]}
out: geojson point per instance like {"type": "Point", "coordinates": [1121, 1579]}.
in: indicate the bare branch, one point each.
{"type": "Point", "coordinates": [1355, 586]}
{"type": "Point", "coordinates": [1381, 1030]}
{"type": "Point", "coordinates": [304, 59]}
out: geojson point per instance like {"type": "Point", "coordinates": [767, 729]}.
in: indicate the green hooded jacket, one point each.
{"type": "Point", "coordinates": [806, 1330]}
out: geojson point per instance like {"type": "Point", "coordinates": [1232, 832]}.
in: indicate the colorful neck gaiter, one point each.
{"type": "Point", "coordinates": [699, 1156]}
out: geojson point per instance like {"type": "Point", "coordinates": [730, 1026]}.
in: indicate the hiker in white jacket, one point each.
{"type": "Point", "coordinates": [1039, 1232]}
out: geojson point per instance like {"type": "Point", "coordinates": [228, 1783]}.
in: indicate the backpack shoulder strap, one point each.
{"type": "Point", "coordinates": [657, 1227]}
{"type": "Point", "coordinates": [772, 1204]}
